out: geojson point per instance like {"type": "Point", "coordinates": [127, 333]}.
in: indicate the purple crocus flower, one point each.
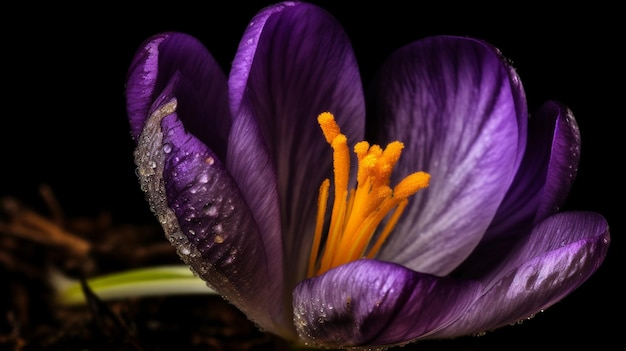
{"type": "Point", "coordinates": [445, 224]}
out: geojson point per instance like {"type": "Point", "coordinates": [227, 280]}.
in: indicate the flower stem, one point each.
{"type": "Point", "coordinates": [141, 282]}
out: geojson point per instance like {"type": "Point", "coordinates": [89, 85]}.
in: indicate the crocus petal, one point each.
{"type": "Point", "coordinates": [201, 87]}
{"type": "Point", "coordinates": [460, 111]}
{"type": "Point", "coordinates": [562, 252]}
{"type": "Point", "coordinates": [564, 159]}
{"type": "Point", "coordinates": [546, 174]}
{"type": "Point", "coordinates": [246, 51]}
{"type": "Point", "coordinates": [202, 213]}
{"type": "Point", "coordinates": [540, 187]}
{"type": "Point", "coordinates": [259, 190]}
{"type": "Point", "coordinates": [374, 303]}
{"type": "Point", "coordinates": [294, 62]}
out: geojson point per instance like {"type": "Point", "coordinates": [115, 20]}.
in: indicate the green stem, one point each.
{"type": "Point", "coordinates": [142, 282]}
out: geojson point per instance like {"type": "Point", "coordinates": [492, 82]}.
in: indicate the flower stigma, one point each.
{"type": "Point", "coordinates": [357, 212]}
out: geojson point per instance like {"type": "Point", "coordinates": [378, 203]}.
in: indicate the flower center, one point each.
{"type": "Point", "coordinates": [356, 213]}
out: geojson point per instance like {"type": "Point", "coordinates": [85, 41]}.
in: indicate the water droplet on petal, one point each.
{"type": "Point", "coordinates": [167, 148]}
{"type": "Point", "coordinates": [211, 211]}
{"type": "Point", "coordinates": [218, 228]}
{"type": "Point", "coordinates": [203, 178]}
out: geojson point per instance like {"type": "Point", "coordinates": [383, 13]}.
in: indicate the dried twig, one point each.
{"type": "Point", "coordinates": [27, 224]}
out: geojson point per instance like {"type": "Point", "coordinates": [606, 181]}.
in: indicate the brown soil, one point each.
{"type": "Point", "coordinates": [31, 244]}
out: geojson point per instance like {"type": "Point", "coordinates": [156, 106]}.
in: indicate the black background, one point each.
{"type": "Point", "coordinates": [64, 120]}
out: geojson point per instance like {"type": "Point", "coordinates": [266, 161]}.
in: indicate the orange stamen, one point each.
{"type": "Point", "coordinates": [357, 213]}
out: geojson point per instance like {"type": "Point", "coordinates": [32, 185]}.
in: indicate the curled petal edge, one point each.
{"type": "Point", "coordinates": [369, 303]}
{"type": "Point", "coordinates": [545, 270]}
{"type": "Point", "coordinates": [217, 271]}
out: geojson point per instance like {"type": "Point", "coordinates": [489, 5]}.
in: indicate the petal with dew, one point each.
{"type": "Point", "coordinates": [202, 212]}
{"type": "Point", "coordinates": [562, 252]}
{"type": "Point", "coordinates": [460, 110]}
{"type": "Point", "coordinates": [374, 303]}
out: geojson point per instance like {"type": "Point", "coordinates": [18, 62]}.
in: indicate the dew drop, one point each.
{"type": "Point", "coordinates": [211, 211]}
{"type": "Point", "coordinates": [167, 148]}
{"type": "Point", "coordinates": [203, 178]}
{"type": "Point", "coordinates": [218, 229]}
{"type": "Point", "coordinates": [230, 260]}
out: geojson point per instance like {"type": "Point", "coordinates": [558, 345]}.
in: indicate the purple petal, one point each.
{"type": "Point", "coordinates": [294, 62]}
{"type": "Point", "coordinates": [540, 187]}
{"type": "Point", "coordinates": [201, 88]}
{"type": "Point", "coordinates": [246, 51]}
{"type": "Point", "coordinates": [375, 303]}
{"type": "Point", "coordinates": [206, 218]}
{"type": "Point", "coordinates": [562, 252]}
{"type": "Point", "coordinates": [564, 159]}
{"type": "Point", "coordinates": [259, 190]}
{"type": "Point", "coordinates": [460, 110]}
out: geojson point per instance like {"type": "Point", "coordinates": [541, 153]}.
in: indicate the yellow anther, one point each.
{"type": "Point", "coordinates": [392, 152]}
{"type": "Point", "coordinates": [360, 149]}
{"type": "Point", "coordinates": [357, 213]}
{"type": "Point", "coordinates": [411, 184]}
{"type": "Point", "coordinates": [375, 150]}
{"type": "Point", "coordinates": [330, 128]}
{"type": "Point", "coordinates": [366, 166]}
